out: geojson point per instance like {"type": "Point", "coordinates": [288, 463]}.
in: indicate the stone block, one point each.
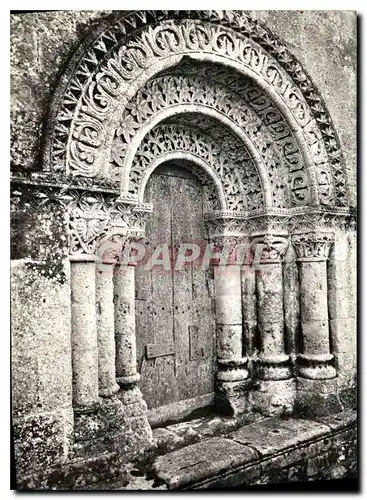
{"type": "Point", "coordinates": [319, 386]}
{"type": "Point", "coordinates": [312, 404]}
{"type": "Point", "coordinates": [343, 332]}
{"type": "Point", "coordinates": [200, 461]}
{"type": "Point", "coordinates": [340, 420]}
{"type": "Point", "coordinates": [276, 434]}
{"type": "Point", "coordinates": [347, 367]}
{"type": "Point", "coordinates": [232, 398]}
{"type": "Point", "coordinates": [108, 419]}
{"type": "Point", "coordinates": [243, 476]}
{"type": "Point", "coordinates": [274, 397]}
{"type": "Point", "coordinates": [79, 475]}
{"type": "Point", "coordinates": [42, 440]}
{"type": "Point", "coordinates": [167, 440]}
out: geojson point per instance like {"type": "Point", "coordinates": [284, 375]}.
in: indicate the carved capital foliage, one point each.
{"type": "Point", "coordinates": [103, 80]}
{"type": "Point", "coordinates": [97, 224]}
{"type": "Point", "coordinates": [313, 246]}
{"type": "Point", "coordinates": [91, 216]}
{"type": "Point", "coordinates": [282, 222]}
{"type": "Point", "coordinates": [225, 226]}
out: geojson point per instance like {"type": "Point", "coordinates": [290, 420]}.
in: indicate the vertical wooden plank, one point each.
{"type": "Point", "coordinates": [203, 317]}
{"type": "Point", "coordinates": [164, 388]}
{"type": "Point", "coordinates": [144, 314]}
{"type": "Point", "coordinates": [182, 284]}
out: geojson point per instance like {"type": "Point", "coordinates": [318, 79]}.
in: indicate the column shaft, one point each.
{"type": "Point", "coordinates": [314, 308]}
{"type": "Point", "coordinates": [315, 360]}
{"type": "Point", "coordinates": [232, 376]}
{"type": "Point", "coordinates": [270, 314]}
{"type": "Point", "coordinates": [106, 330]}
{"type": "Point", "coordinates": [84, 333]}
{"type": "Point", "coordinates": [249, 313]}
{"type": "Point", "coordinates": [274, 363]}
{"type": "Point", "coordinates": [124, 298]}
{"type": "Point", "coordinates": [228, 311]}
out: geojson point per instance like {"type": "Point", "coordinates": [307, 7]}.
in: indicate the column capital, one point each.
{"type": "Point", "coordinates": [312, 246]}
{"type": "Point", "coordinates": [83, 257]}
{"type": "Point", "coordinates": [274, 246]}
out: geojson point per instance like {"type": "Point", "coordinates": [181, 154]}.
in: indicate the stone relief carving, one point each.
{"type": "Point", "coordinates": [278, 222]}
{"type": "Point", "coordinates": [274, 247]}
{"type": "Point", "coordinates": [266, 129]}
{"type": "Point", "coordinates": [93, 214]}
{"type": "Point", "coordinates": [240, 181]}
{"type": "Point", "coordinates": [109, 66]}
{"type": "Point", "coordinates": [93, 220]}
{"type": "Point", "coordinates": [312, 246]}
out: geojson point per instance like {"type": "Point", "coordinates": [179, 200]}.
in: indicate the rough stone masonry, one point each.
{"type": "Point", "coordinates": [183, 203]}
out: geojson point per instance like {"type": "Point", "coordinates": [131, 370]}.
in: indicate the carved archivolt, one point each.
{"type": "Point", "coordinates": [272, 143]}
{"type": "Point", "coordinates": [131, 51]}
{"type": "Point", "coordinates": [240, 182]}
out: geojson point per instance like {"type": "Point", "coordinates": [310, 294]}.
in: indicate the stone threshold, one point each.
{"type": "Point", "coordinates": [266, 451]}
{"type": "Point", "coordinates": [250, 454]}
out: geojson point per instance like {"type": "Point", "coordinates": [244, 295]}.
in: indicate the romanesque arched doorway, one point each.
{"type": "Point", "coordinates": [217, 96]}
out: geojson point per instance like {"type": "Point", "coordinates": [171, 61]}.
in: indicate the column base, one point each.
{"type": "Point", "coordinates": [136, 412]}
{"type": "Point", "coordinates": [119, 425]}
{"type": "Point", "coordinates": [317, 398]}
{"type": "Point", "coordinates": [128, 380]}
{"type": "Point", "coordinates": [86, 409]}
{"type": "Point", "coordinates": [232, 370]}
{"type": "Point", "coordinates": [274, 397]}
{"type": "Point", "coordinates": [109, 391]}
{"type": "Point", "coordinates": [316, 366]}
{"type": "Point", "coordinates": [231, 398]}
{"type": "Point", "coordinates": [276, 367]}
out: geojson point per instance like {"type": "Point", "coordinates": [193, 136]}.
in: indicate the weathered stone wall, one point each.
{"type": "Point", "coordinates": [41, 45]}
{"type": "Point", "coordinates": [325, 43]}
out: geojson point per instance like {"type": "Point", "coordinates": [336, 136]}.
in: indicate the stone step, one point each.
{"type": "Point", "coordinates": [200, 461]}
{"type": "Point", "coordinates": [246, 454]}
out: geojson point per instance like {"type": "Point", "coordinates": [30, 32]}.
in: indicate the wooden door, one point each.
{"type": "Point", "coordinates": [174, 316]}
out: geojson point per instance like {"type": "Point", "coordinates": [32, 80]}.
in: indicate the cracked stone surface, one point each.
{"type": "Point", "coordinates": [201, 460]}
{"type": "Point", "coordinates": [275, 440]}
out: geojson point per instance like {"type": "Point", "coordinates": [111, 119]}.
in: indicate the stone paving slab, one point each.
{"type": "Point", "coordinates": [340, 420]}
{"type": "Point", "coordinates": [202, 460]}
{"type": "Point", "coordinates": [226, 460]}
{"type": "Point", "coordinates": [275, 434]}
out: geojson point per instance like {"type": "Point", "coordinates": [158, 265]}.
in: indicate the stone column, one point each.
{"type": "Point", "coordinates": [106, 328]}
{"type": "Point", "coordinates": [249, 311]}
{"type": "Point", "coordinates": [126, 370]}
{"type": "Point", "coordinates": [316, 383]}
{"type": "Point", "coordinates": [342, 301]}
{"type": "Point", "coordinates": [124, 299]}
{"type": "Point", "coordinates": [315, 360]}
{"type": "Point", "coordinates": [275, 393]}
{"type": "Point", "coordinates": [84, 333]}
{"type": "Point", "coordinates": [232, 376]}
